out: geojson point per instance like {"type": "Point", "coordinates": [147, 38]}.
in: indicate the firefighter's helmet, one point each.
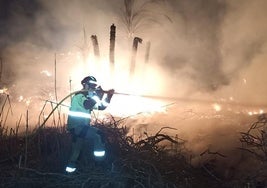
{"type": "Point", "coordinates": [90, 81]}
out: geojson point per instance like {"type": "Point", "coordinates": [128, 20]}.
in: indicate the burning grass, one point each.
{"type": "Point", "coordinates": [38, 159]}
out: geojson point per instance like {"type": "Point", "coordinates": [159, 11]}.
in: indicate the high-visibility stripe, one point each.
{"type": "Point", "coordinates": [92, 82]}
{"type": "Point", "coordinates": [96, 99]}
{"type": "Point", "coordinates": [79, 114]}
{"type": "Point", "coordinates": [99, 153]}
{"type": "Point", "coordinates": [70, 169]}
{"type": "Point", "coordinates": [105, 103]}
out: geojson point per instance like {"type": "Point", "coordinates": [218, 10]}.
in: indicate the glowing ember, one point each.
{"type": "Point", "coordinates": [261, 111]}
{"type": "Point", "coordinates": [20, 99]}
{"type": "Point", "coordinates": [27, 101]}
{"type": "Point", "coordinates": [217, 107]}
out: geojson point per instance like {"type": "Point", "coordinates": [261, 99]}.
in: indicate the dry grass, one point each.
{"type": "Point", "coordinates": [154, 161]}
{"type": "Point", "coordinates": [143, 163]}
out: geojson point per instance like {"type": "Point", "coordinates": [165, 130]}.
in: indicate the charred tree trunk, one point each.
{"type": "Point", "coordinates": [134, 52]}
{"type": "Point", "coordinates": [95, 45]}
{"type": "Point", "coordinates": [112, 46]}
{"type": "Point", "coordinates": [148, 44]}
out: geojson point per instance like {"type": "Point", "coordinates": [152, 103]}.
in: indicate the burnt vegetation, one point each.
{"type": "Point", "coordinates": [38, 159]}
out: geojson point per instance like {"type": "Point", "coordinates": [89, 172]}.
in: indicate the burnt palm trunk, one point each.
{"type": "Point", "coordinates": [95, 45]}
{"type": "Point", "coordinates": [134, 52]}
{"type": "Point", "coordinates": [112, 46]}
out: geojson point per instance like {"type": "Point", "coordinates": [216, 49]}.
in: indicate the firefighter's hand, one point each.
{"type": "Point", "coordinates": [110, 94]}
{"type": "Point", "coordinates": [100, 92]}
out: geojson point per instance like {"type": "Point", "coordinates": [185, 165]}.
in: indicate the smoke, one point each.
{"type": "Point", "coordinates": [205, 43]}
{"type": "Point", "coordinates": [211, 49]}
{"type": "Point", "coordinates": [195, 43]}
{"type": "Point", "coordinates": [210, 43]}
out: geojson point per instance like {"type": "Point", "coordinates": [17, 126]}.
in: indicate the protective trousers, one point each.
{"type": "Point", "coordinates": [79, 135]}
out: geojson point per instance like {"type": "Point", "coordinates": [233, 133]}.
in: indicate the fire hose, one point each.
{"type": "Point", "coordinates": [173, 99]}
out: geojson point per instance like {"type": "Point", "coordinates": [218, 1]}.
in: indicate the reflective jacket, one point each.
{"type": "Point", "coordinates": [81, 107]}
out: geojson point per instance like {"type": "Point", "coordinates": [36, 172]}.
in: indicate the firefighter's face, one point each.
{"type": "Point", "coordinates": [90, 86]}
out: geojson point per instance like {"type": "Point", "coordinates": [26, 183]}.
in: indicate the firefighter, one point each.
{"type": "Point", "coordinates": [79, 118]}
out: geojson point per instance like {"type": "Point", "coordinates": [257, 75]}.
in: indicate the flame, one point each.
{"type": "Point", "coordinates": [4, 91]}
{"type": "Point", "coordinates": [144, 81]}
{"type": "Point", "coordinates": [27, 101]}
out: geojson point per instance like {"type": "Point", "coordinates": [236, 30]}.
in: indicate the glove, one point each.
{"type": "Point", "coordinates": [89, 103]}
{"type": "Point", "coordinates": [109, 95]}
{"type": "Point", "coordinates": [99, 92]}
